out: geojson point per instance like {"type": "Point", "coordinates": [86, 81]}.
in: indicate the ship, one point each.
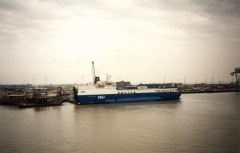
{"type": "Point", "coordinates": [99, 93]}
{"type": "Point", "coordinates": [39, 97]}
{"type": "Point", "coordinates": [34, 97]}
{"type": "Point", "coordinates": [109, 94]}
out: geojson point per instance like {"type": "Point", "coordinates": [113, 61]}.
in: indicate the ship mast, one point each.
{"type": "Point", "coordinates": [93, 72]}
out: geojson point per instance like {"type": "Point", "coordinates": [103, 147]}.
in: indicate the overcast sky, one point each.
{"type": "Point", "coordinates": [131, 40]}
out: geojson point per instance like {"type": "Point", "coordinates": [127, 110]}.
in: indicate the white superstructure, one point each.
{"type": "Point", "coordinates": [109, 89]}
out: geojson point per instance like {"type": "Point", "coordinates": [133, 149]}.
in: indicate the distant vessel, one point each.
{"type": "Point", "coordinates": [102, 94]}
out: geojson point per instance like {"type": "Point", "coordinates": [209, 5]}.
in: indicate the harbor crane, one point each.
{"type": "Point", "coordinates": [95, 78]}
{"type": "Point", "coordinates": [236, 73]}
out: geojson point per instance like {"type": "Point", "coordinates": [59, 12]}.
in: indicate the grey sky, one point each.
{"type": "Point", "coordinates": [133, 40]}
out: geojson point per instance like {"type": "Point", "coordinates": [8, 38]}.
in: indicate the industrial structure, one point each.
{"type": "Point", "coordinates": [122, 84]}
{"type": "Point", "coordinates": [95, 78]}
{"type": "Point", "coordinates": [236, 73]}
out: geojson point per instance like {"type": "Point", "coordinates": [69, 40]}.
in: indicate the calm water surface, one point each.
{"type": "Point", "coordinates": [197, 123]}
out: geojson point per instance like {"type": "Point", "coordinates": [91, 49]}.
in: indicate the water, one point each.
{"type": "Point", "coordinates": [197, 123]}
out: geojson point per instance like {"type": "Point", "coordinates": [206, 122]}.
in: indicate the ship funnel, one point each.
{"type": "Point", "coordinates": [96, 80]}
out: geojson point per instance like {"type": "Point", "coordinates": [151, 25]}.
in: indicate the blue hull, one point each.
{"type": "Point", "coordinates": [125, 98]}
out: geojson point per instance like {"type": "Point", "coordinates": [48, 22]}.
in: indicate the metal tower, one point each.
{"type": "Point", "coordinates": [95, 78]}
{"type": "Point", "coordinates": [237, 75]}
{"type": "Point", "coordinates": [93, 72]}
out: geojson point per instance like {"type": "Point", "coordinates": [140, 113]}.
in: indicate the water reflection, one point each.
{"type": "Point", "coordinates": [3, 107]}
{"type": "Point", "coordinates": [48, 108]}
